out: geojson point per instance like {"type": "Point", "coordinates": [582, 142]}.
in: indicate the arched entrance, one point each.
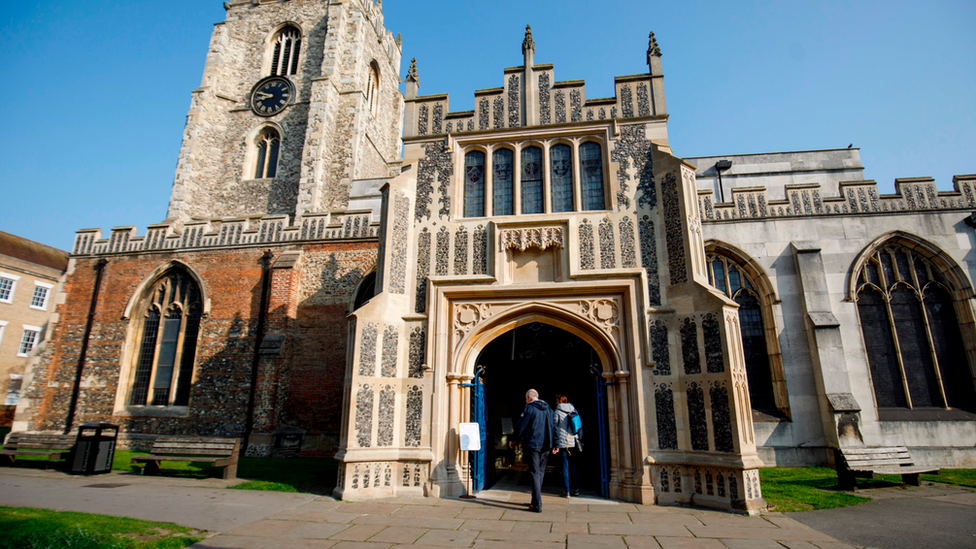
{"type": "Point", "coordinates": [554, 362]}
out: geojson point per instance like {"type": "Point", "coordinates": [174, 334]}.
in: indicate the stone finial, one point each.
{"type": "Point", "coordinates": [653, 50]}
{"type": "Point", "coordinates": [227, 6]}
{"type": "Point", "coordinates": [399, 39]}
{"type": "Point", "coordinates": [528, 44]}
{"type": "Point", "coordinates": [412, 75]}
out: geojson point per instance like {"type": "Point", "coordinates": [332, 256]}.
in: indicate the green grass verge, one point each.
{"type": "Point", "coordinates": [312, 475]}
{"type": "Point", "coordinates": [961, 477]}
{"type": "Point", "coordinates": [805, 488]}
{"type": "Point", "coordinates": [28, 528]}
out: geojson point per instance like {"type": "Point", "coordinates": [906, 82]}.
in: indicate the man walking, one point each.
{"type": "Point", "coordinates": [536, 433]}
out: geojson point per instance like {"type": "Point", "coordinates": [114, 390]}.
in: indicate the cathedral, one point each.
{"type": "Point", "coordinates": [351, 271]}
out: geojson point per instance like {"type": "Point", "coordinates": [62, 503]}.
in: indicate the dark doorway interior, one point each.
{"type": "Point", "coordinates": [552, 361]}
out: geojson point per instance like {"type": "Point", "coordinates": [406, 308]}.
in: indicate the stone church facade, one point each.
{"type": "Point", "coordinates": [310, 279]}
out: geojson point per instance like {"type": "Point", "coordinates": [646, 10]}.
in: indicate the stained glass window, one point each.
{"type": "Point", "coordinates": [167, 343]}
{"type": "Point", "coordinates": [474, 184]}
{"type": "Point", "coordinates": [561, 178]}
{"type": "Point", "coordinates": [591, 176]}
{"type": "Point", "coordinates": [924, 353]}
{"type": "Point", "coordinates": [503, 182]}
{"type": "Point", "coordinates": [532, 202]}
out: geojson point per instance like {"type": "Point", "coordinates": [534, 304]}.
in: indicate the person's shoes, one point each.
{"type": "Point", "coordinates": [564, 495]}
{"type": "Point", "coordinates": [535, 509]}
{"type": "Point", "coordinates": [575, 493]}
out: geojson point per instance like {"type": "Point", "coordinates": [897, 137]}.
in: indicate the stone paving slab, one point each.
{"type": "Point", "coordinates": [751, 544]}
{"type": "Point", "coordinates": [641, 542]}
{"type": "Point", "coordinates": [580, 541]}
{"type": "Point", "coordinates": [489, 525]}
{"type": "Point", "coordinates": [650, 529]}
{"type": "Point", "coordinates": [777, 534]}
{"type": "Point", "coordinates": [688, 543]}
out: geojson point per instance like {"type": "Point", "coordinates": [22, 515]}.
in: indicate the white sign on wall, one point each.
{"type": "Point", "coordinates": [470, 437]}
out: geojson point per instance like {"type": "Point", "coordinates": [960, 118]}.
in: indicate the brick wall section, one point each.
{"type": "Point", "coordinates": [308, 304]}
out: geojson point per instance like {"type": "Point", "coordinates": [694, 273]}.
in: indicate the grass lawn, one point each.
{"type": "Point", "coordinates": [24, 527]}
{"type": "Point", "coordinates": [313, 475]}
{"type": "Point", "coordinates": [807, 488]}
{"type": "Point", "coordinates": [961, 477]}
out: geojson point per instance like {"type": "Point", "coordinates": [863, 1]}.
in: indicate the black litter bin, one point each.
{"type": "Point", "coordinates": [95, 449]}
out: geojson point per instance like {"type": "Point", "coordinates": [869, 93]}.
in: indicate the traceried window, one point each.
{"type": "Point", "coordinates": [591, 176]}
{"type": "Point", "coordinates": [474, 184]}
{"type": "Point", "coordinates": [287, 44]}
{"type": "Point", "coordinates": [170, 321]}
{"type": "Point", "coordinates": [561, 178]}
{"type": "Point", "coordinates": [532, 202]}
{"type": "Point", "coordinates": [503, 182]}
{"type": "Point", "coordinates": [911, 333]}
{"type": "Point", "coordinates": [729, 277]}
{"type": "Point", "coordinates": [373, 87]}
{"type": "Point", "coordinates": [266, 144]}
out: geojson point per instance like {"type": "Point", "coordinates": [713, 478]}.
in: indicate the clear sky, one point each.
{"type": "Point", "coordinates": [95, 92]}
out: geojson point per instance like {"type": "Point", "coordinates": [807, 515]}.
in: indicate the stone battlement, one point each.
{"type": "Point", "coordinates": [854, 197]}
{"type": "Point", "coordinates": [217, 233]}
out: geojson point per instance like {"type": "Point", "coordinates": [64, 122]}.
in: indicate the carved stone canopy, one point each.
{"type": "Point", "coordinates": [535, 237]}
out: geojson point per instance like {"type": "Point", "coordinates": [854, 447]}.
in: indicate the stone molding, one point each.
{"type": "Point", "coordinates": [536, 237]}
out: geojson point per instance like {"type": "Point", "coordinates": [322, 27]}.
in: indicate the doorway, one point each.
{"type": "Point", "coordinates": [552, 361]}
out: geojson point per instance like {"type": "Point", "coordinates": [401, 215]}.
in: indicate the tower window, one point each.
{"type": "Point", "coordinates": [373, 87]}
{"type": "Point", "coordinates": [266, 146]}
{"type": "Point", "coordinates": [167, 344]}
{"type": "Point", "coordinates": [287, 46]}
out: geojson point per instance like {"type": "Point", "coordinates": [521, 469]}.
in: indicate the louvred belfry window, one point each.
{"type": "Point", "coordinates": [911, 333]}
{"type": "Point", "coordinates": [287, 47]}
{"type": "Point", "coordinates": [167, 344]}
{"type": "Point", "coordinates": [267, 145]}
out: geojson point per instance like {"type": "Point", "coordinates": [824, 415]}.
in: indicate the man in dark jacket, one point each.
{"type": "Point", "coordinates": [536, 432]}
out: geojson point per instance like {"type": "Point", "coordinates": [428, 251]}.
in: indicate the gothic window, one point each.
{"type": "Point", "coordinates": [532, 201]}
{"type": "Point", "coordinates": [561, 178]}
{"type": "Point", "coordinates": [287, 44]}
{"type": "Point", "coordinates": [373, 87]}
{"type": "Point", "coordinates": [728, 274]}
{"type": "Point", "coordinates": [266, 147]}
{"type": "Point", "coordinates": [911, 333]}
{"type": "Point", "coordinates": [474, 184]}
{"type": "Point", "coordinates": [503, 182]}
{"type": "Point", "coordinates": [366, 290]}
{"type": "Point", "coordinates": [168, 324]}
{"type": "Point", "coordinates": [591, 176]}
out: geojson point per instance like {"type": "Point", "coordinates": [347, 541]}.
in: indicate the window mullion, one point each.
{"type": "Point", "coordinates": [489, 201]}
{"type": "Point", "coordinates": [574, 161]}
{"type": "Point", "coordinates": [178, 359]}
{"type": "Point", "coordinates": [546, 180]}
{"type": "Point", "coordinates": [517, 181]}
{"type": "Point", "coordinates": [894, 336]}
{"type": "Point", "coordinates": [725, 274]}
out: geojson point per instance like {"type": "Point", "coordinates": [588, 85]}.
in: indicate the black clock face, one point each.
{"type": "Point", "coordinates": [272, 95]}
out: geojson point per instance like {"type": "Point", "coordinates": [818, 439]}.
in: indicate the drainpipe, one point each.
{"type": "Point", "coordinates": [76, 389]}
{"type": "Point", "coordinates": [258, 339]}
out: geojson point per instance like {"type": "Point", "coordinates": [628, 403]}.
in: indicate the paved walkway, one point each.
{"type": "Point", "coordinates": [931, 516]}
{"type": "Point", "coordinates": [497, 519]}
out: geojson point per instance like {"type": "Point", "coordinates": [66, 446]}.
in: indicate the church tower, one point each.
{"type": "Point", "coordinates": [299, 98]}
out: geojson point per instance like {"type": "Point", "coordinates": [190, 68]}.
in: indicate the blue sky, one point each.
{"type": "Point", "coordinates": [95, 92]}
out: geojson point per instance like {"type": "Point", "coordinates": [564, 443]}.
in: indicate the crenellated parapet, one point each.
{"type": "Point", "coordinates": [227, 232]}
{"type": "Point", "coordinates": [530, 96]}
{"type": "Point", "coordinates": [852, 197]}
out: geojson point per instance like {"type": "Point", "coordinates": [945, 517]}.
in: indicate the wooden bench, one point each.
{"type": "Point", "coordinates": [866, 462]}
{"type": "Point", "coordinates": [218, 452]}
{"type": "Point", "coordinates": [54, 447]}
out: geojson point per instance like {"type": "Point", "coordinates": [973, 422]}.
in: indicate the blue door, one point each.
{"type": "Point", "coordinates": [601, 429]}
{"type": "Point", "coordinates": [479, 459]}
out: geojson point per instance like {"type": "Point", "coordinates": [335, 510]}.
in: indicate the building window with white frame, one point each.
{"type": "Point", "coordinates": [42, 291]}
{"type": "Point", "coordinates": [31, 337]}
{"type": "Point", "coordinates": [287, 46]}
{"type": "Point", "coordinates": [8, 283]}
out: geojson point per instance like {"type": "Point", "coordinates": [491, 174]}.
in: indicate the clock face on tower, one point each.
{"type": "Point", "coordinates": [271, 95]}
